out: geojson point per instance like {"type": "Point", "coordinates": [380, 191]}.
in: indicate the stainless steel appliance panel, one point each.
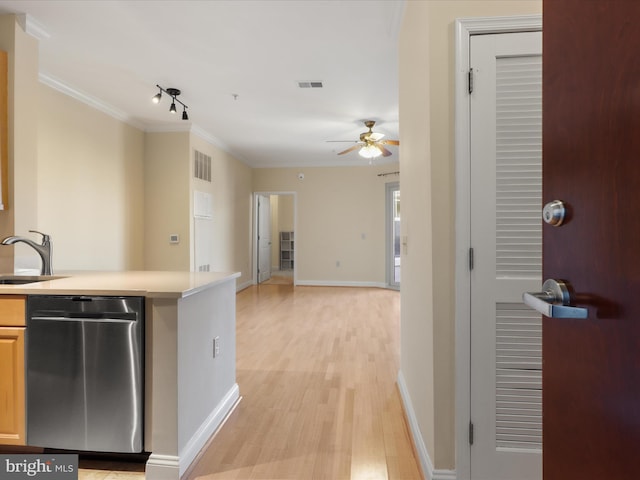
{"type": "Point", "coordinates": [85, 373]}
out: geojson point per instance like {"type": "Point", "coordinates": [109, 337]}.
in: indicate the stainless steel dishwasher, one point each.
{"type": "Point", "coordinates": [85, 375]}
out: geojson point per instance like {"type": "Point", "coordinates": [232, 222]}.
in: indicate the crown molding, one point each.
{"type": "Point", "coordinates": [31, 26]}
{"type": "Point", "coordinates": [89, 100]}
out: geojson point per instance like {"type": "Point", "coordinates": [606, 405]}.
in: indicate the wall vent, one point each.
{"type": "Point", "coordinates": [202, 166]}
{"type": "Point", "coordinates": [310, 84]}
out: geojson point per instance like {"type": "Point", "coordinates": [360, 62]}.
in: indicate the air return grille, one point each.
{"type": "Point", "coordinates": [202, 166]}
{"type": "Point", "coordinates": [310, 84]}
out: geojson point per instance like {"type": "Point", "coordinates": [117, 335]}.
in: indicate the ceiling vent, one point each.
{"type": "Point", "coordinates": [310, 84]}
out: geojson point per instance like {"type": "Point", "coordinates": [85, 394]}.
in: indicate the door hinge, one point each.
{"type": "Point", "coordinates": [470, 79]}
{"type": "Point", "coordinates": [471, 259]}
{"type": "Point", "coordinates": [470, 433]}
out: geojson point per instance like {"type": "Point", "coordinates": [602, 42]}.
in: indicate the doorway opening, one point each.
{"type": "Point", "coordinates": [275, 239]}
{"type": "Point", "coordinates": [393, 234]}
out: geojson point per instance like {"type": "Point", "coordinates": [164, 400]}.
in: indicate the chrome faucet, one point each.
{"type": "Point", "coordinates": [44, 250]}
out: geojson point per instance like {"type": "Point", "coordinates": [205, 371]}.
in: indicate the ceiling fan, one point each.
{"type": "Point", "coordinates": [371, 144]}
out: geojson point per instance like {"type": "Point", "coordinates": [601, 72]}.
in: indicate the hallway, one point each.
{"type": "Point", "coordinates": [317, 368]}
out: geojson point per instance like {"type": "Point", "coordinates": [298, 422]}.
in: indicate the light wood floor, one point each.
{"type": "Point", "coordinates": [317, 371]}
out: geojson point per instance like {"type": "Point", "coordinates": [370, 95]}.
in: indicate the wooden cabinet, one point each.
{"type": "Point", "coordinates": [12, 372]}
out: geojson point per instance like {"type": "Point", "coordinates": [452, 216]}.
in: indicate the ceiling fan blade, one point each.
{"type": "Point", "coordinates": [385, 152]}
{"type": "Point", "coordinates": [375, 136]}
{"type": "Point", "coordinates": [350, 149]}
{"type": "Point", "coordinates": [390, 142]}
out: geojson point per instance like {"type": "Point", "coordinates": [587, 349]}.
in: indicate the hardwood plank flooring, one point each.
{"type": "Point", "coordinates": [317, 371]}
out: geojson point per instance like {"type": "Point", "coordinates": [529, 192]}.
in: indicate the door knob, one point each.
{"type": "Point", "coordinates": [554, 301]}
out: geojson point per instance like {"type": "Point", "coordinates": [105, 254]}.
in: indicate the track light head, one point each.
{"type": "Point", "coordinates": [173, 93]}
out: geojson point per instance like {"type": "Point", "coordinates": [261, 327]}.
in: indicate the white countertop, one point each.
{"type": "Point", "coordinates": [160, 284]}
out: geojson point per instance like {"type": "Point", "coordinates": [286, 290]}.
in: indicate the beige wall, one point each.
{"type": "Point", "coordinates": [167, 197]}
{"type": "Point", "coordinates": [20, 214]}
{"type": "Point", "coordinates": [340, 218]}
{"type": "Point", "coordinates": [169, 189]}
{"type": "Point", "coordinates": [90, 185]}
{"type": "Point", "coordinates": [231, 189]}
{"type": "Point", "coordinates": [109, 194]}
{"type": "Point", "coordinates": [427, 53]}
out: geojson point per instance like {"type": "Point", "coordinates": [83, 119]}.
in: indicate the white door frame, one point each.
{"type": "Point", "coordinates": [254, 261]}
{"type": "Point", "coordinates": [464, 28]}
{"type": "Point", "coordinates": [389, 243]}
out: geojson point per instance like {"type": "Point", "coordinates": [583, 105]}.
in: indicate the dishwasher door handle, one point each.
{"type": "Point", "coordinates": [84, 319]}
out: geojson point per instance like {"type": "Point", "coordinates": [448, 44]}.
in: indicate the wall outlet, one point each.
{"type": "Point", "coordinates": [216, 347]}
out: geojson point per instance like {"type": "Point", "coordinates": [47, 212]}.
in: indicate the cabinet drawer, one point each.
{"type": "Point", "coordinates": [12, 311]}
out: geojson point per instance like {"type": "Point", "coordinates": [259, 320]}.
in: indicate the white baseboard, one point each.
{"type": "Point", "coordinates": [416, 435]}
{"type": "Point", "coordinates": [170, 467]}
{"type": "Point", "coordinates": [339, 283]}
{"type": "Point", "coordinates": [242, 286]}
{"type": "Point", "coordinates": [162, 467]}
{"type": "Point", "coordinates": [208, 428]}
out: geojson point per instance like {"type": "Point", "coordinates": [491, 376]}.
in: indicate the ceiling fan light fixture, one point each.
{"type": "Point", "coordinates": [370, 151]}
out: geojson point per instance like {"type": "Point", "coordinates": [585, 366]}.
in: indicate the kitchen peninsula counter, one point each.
{"type": "Point", "coordinates": [189, 391]}
{"type": "Point", "coordinates": [153, 284]}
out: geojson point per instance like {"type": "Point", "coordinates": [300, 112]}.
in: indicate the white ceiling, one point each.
{"type": "Point", "coordinates": [115, 52]}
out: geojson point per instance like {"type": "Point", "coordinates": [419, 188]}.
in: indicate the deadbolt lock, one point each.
{"type": "Point", "coordinates": [553, 213]}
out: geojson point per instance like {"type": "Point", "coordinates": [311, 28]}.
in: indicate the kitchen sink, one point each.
{"type": "Point", "coordinates": [23, 279]}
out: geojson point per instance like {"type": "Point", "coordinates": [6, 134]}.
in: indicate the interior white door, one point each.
{"type": "Point", "coordinates": [506, 237]}
{"type": "Point", "coordinates": [264, 238]}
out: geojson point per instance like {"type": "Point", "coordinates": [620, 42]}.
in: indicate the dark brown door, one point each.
{"type": "Point", "coordinates": [591, 161]}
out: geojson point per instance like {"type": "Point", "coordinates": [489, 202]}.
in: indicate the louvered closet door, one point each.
{"type": "Point", "coordinates": [506, 235]}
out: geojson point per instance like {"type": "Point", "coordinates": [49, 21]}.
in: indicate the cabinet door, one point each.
{"type": "Point", "coordinates": [12, 406]}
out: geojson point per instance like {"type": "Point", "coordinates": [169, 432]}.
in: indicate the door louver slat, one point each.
{"type": "Point", "coordinates": [518, 377]}
{"type": "Point", "coordinates": [518, 166]}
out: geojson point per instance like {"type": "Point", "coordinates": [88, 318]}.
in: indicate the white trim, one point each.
{"type": "Point", "coordinates": [206, 136]}
{"type": "Point", "coordinates": [464, 28]}
{"type": "Point", "coordinates": [423, 454]}
{"type": "Point", "coordinates": [89, 100]}
{"type": "Point", "coordinates": [162, 467]}
{"type": "Point", "coordinates": [340, 283]}
{"type": "Point", "coordinates": [123, 116]}
{"type": "Point", "coordinates": [389, 258]}
{"type": "Point", "coordinates": [355, 161]}
{"type": "Point", "coordinates": [33, 27]}
{"type": "Point", "coordinates": [243, 285]}
{"type": "Point", "coordinates": [254, 235]}
{"type": "Point", "coordinates": [171, 467]}
{"type": "Point", "coordinates": [208, 428]}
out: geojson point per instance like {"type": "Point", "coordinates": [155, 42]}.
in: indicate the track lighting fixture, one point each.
{"type": "Point", "coordinates": [173, 93]}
